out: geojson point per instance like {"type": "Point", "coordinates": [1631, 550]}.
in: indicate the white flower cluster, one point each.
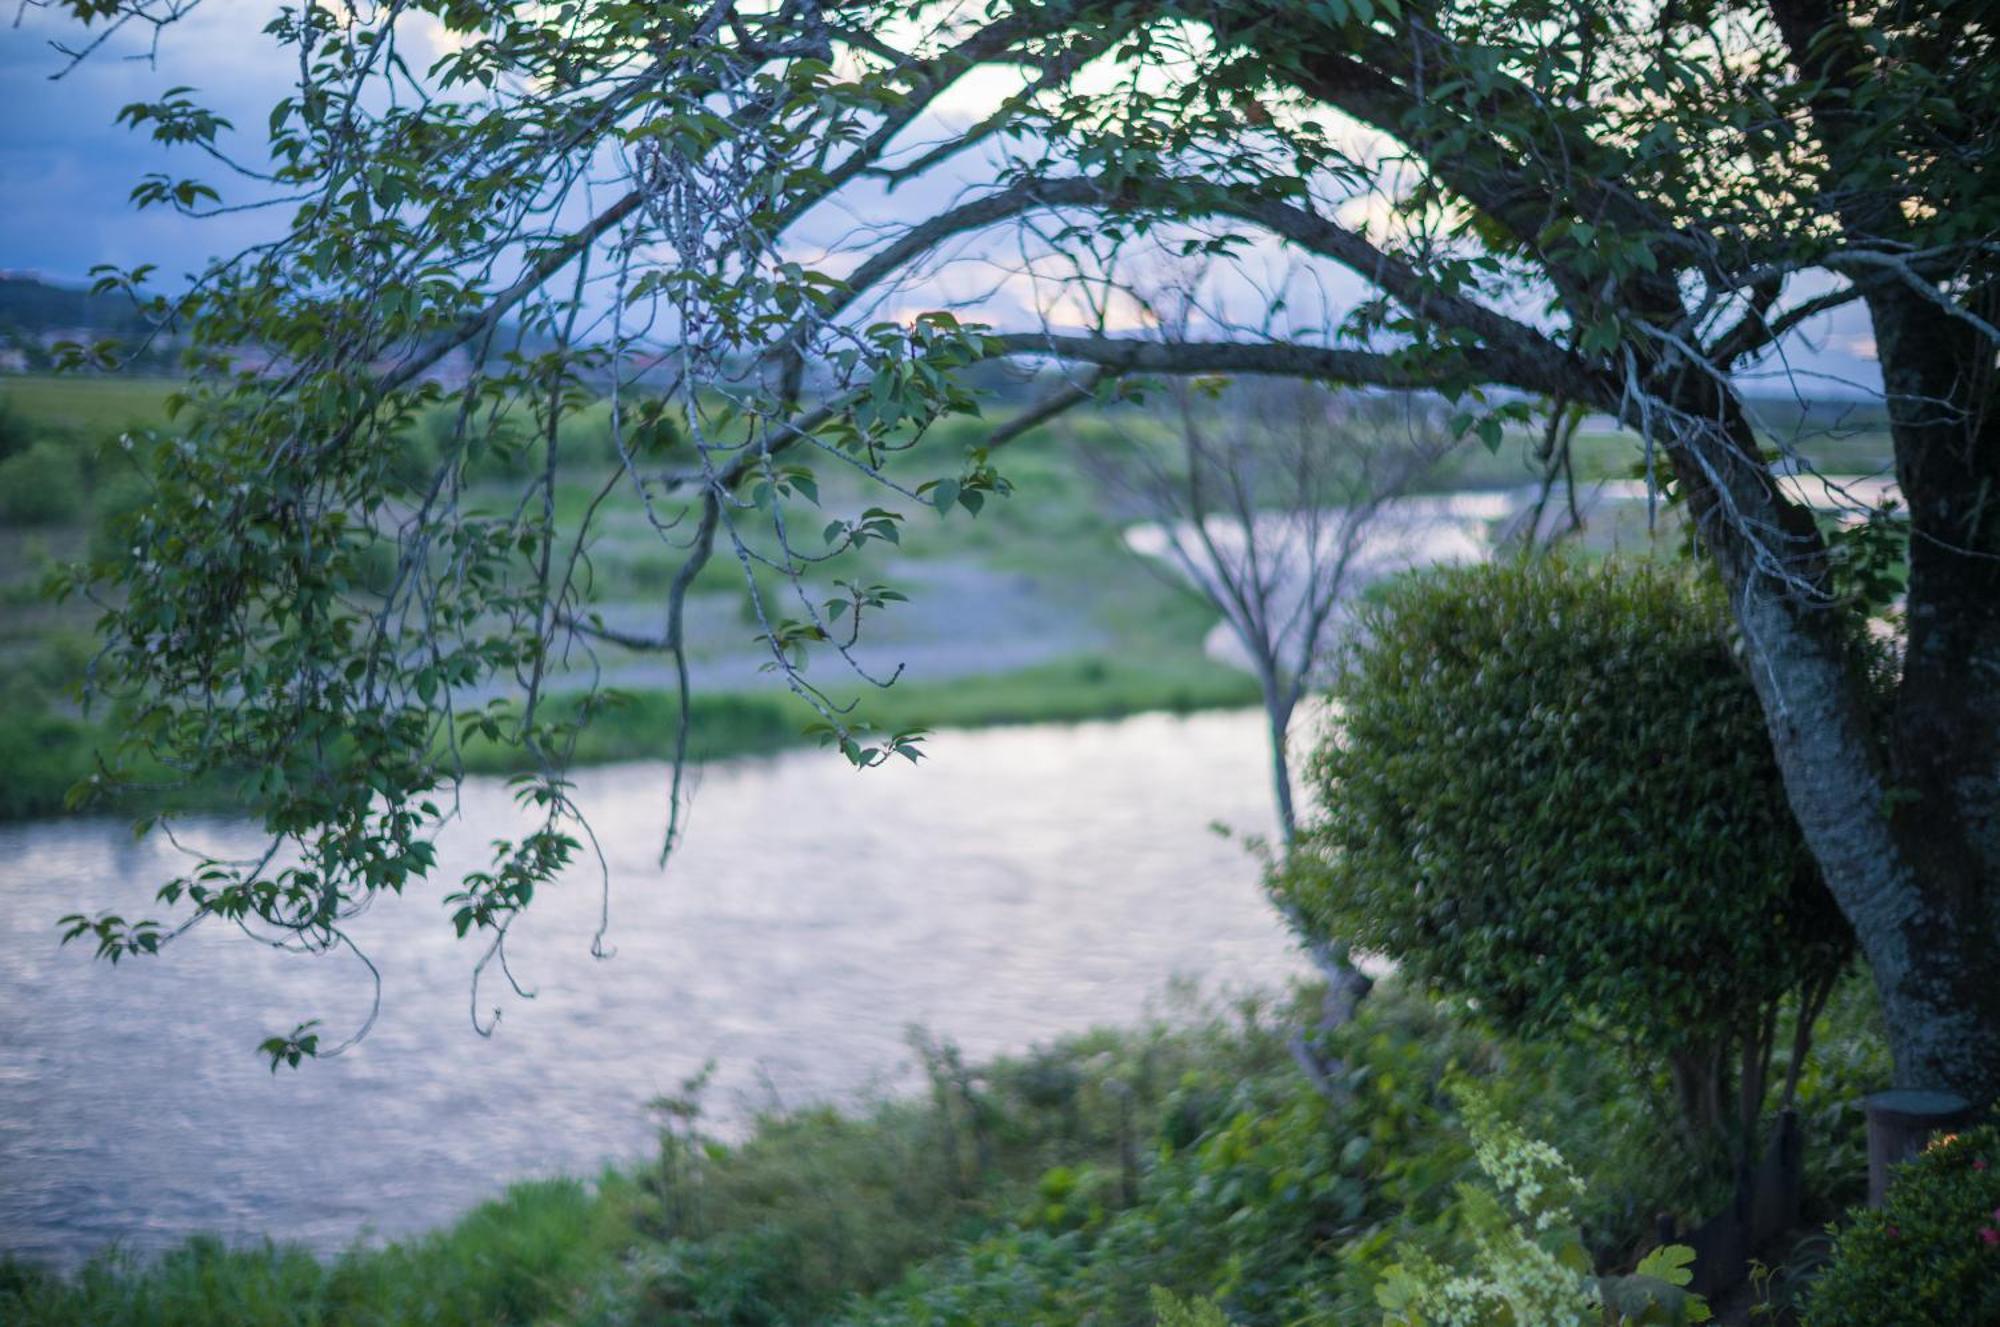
{"type": "Point", "coordinates": [1514, 1283]}
{"type": "Point", "coordinates": [1530, 1173]}
{"type": "Point", "coordinates": [1524, 1273]}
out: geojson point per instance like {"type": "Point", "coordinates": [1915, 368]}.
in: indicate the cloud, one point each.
{"type": "Point", "coordinates": [69, 169]}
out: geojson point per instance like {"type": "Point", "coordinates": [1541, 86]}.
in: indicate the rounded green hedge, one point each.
{"type": "Point", "coordinates": [1550, 788]}
{"type": "Point", "coordinates": [1930, 1254]}
{"type": "Point", "coordinates": [42, 485]}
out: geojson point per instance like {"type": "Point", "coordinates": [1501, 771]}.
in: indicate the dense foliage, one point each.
{"type": "Point", "coordinates": [1526, 1266]}
{"type": "Point", "coordinates": [1931, 1253]}
{"type": "Point", "coordinates": [1550, 789]}
{"type": "Point", "coordinates": [1064, 1186]}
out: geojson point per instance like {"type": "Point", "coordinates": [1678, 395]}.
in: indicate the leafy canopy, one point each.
{"type": "Point", "coordinates": [1549, 788]}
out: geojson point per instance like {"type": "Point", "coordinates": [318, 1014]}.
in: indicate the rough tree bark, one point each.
{"type": "Point", "coordinates": [1924, 892]}
{"type": "Point", "coordinates": [1900, 821]}
{"type": "Point", "coordinates": [1937, 975]}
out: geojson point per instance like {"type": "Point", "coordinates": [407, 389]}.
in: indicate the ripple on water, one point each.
{"type": "Point", "coordinates": [1022, 883]}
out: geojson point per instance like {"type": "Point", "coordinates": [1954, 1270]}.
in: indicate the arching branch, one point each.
{"type": "Point", "coordinates": [1293, 360]}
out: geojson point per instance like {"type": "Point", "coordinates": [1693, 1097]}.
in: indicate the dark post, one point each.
{"type": "Point", "coordinates": [1900, 1124]}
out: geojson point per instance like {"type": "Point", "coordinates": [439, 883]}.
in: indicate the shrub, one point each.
{"type": "Point", "coordinates": [1283, 1204]}
{"type": "Point", "coordinates": [1524, 1262]}
{"type": "Point", "coordinates": [41, 486]}
{"type": "Point", "coordinates": [1931, 1253]}
{"type": "Point", "coordinates": [15, 432]}
{"type": "Point", "coordinates": [1551, 790]}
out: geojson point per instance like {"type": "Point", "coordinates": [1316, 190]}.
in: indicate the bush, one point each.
{"type": "Point", "coordinates": [1930, 1254]}
{"type": "Point", "coordinates": [15, 433]}
{"type": "Point", "coordinates": [1551, 790]}
{"type": "Point", "coordinates": [1521, 1261]}
{"type": "Point", "coordinates": [41, 486]}
{"type": "Point", "coordinates": [816, 1208]}
{"type": "Point", "coordinates": [1283, 1204]}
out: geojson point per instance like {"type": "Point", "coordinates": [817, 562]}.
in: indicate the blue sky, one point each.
{"type": "Point", "coordinates": [66, 169]}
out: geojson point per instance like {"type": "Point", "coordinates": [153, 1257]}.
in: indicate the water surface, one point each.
{"type": "Point", "coordinates": [1022, 883]}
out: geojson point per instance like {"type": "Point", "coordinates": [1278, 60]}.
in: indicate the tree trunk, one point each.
{"type": "Point", "coordinates": [1346, 985]}
{"type": "Point", "coordinates": [1925, 896]}
{"type": "Point", "coordinates": [1944, 733]}
{"type": "Point", "coordinates": [1900, 856]}
{"type": "Point", "coordinates": [1278, 723]}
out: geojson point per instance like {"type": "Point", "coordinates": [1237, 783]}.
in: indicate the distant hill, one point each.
{"type": "Point", "coordinates": [30, 305]}
{"type": "Point", "coordinates": [36, 315]}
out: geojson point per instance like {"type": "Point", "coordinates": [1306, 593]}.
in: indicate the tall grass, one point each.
{"type": "Point", "coordinates": [536, 1254]}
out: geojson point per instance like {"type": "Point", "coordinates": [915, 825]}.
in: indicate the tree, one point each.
{"type": "Point", "coordinates": [1263, 509]}
{"type": "Point", "coordinates": [1546, 792]}
{"type": "Point", "coordinates": [1624, 208]}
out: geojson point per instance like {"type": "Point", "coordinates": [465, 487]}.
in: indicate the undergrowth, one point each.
{"type": "Point", "coordinates": [1082, 1182]}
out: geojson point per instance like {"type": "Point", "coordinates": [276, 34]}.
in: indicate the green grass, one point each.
{"type": "Point", "coordinates": [1070, 690]}
{"type": "Point", "coordinates": [44, 752]}
{"type": "Point", "coordinates": [528, 1257]}
{"type": "Point", "coordinates": [1055, 1187]}
{"type": "Point", "coordinates": [1833, 442]}
{"type": "Point", "coordinates": [93, 404]}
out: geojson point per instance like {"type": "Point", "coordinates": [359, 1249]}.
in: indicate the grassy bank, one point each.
{"type": "Point", "coordinates": [752, 723]}
{"type": "Point", "coordinates": [1137, 641]}
{"type": "Point", "coordinates": [45, 751]}
{"type": "Point", "coordinates": [1057, 1187]}
{"type": "Point", "coordinates": [1048, 560]}
{"type": "Point", "coordinates": [513, 1261]}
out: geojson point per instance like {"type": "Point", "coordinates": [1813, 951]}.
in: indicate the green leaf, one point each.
{"type": "Point", "coordinates": [1670, 1263]}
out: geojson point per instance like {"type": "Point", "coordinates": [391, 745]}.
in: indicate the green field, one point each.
{"type": "Point", "coordinates": [90, 404]}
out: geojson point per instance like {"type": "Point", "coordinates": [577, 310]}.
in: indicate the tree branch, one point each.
{"type": "Point", "coordinates": [1292, 360]}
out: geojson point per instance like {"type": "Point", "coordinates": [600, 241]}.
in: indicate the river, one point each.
{"type": "Point", "coordinates": [1021, 883]}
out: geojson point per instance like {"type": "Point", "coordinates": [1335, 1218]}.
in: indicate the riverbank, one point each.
{"type": "Point", "coordinates": [1035, 612]}
{"type": "Point", "coordinates": [1058, 1186]}
{"type": "Point", "coordinates": [46, 752]}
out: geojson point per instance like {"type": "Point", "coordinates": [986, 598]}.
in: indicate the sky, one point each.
{"type": "Point", "coordinates": [66, 169]}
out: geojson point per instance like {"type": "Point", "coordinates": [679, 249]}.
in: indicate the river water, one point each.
{"type": "Point", "coordinates": [1021, 883]}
